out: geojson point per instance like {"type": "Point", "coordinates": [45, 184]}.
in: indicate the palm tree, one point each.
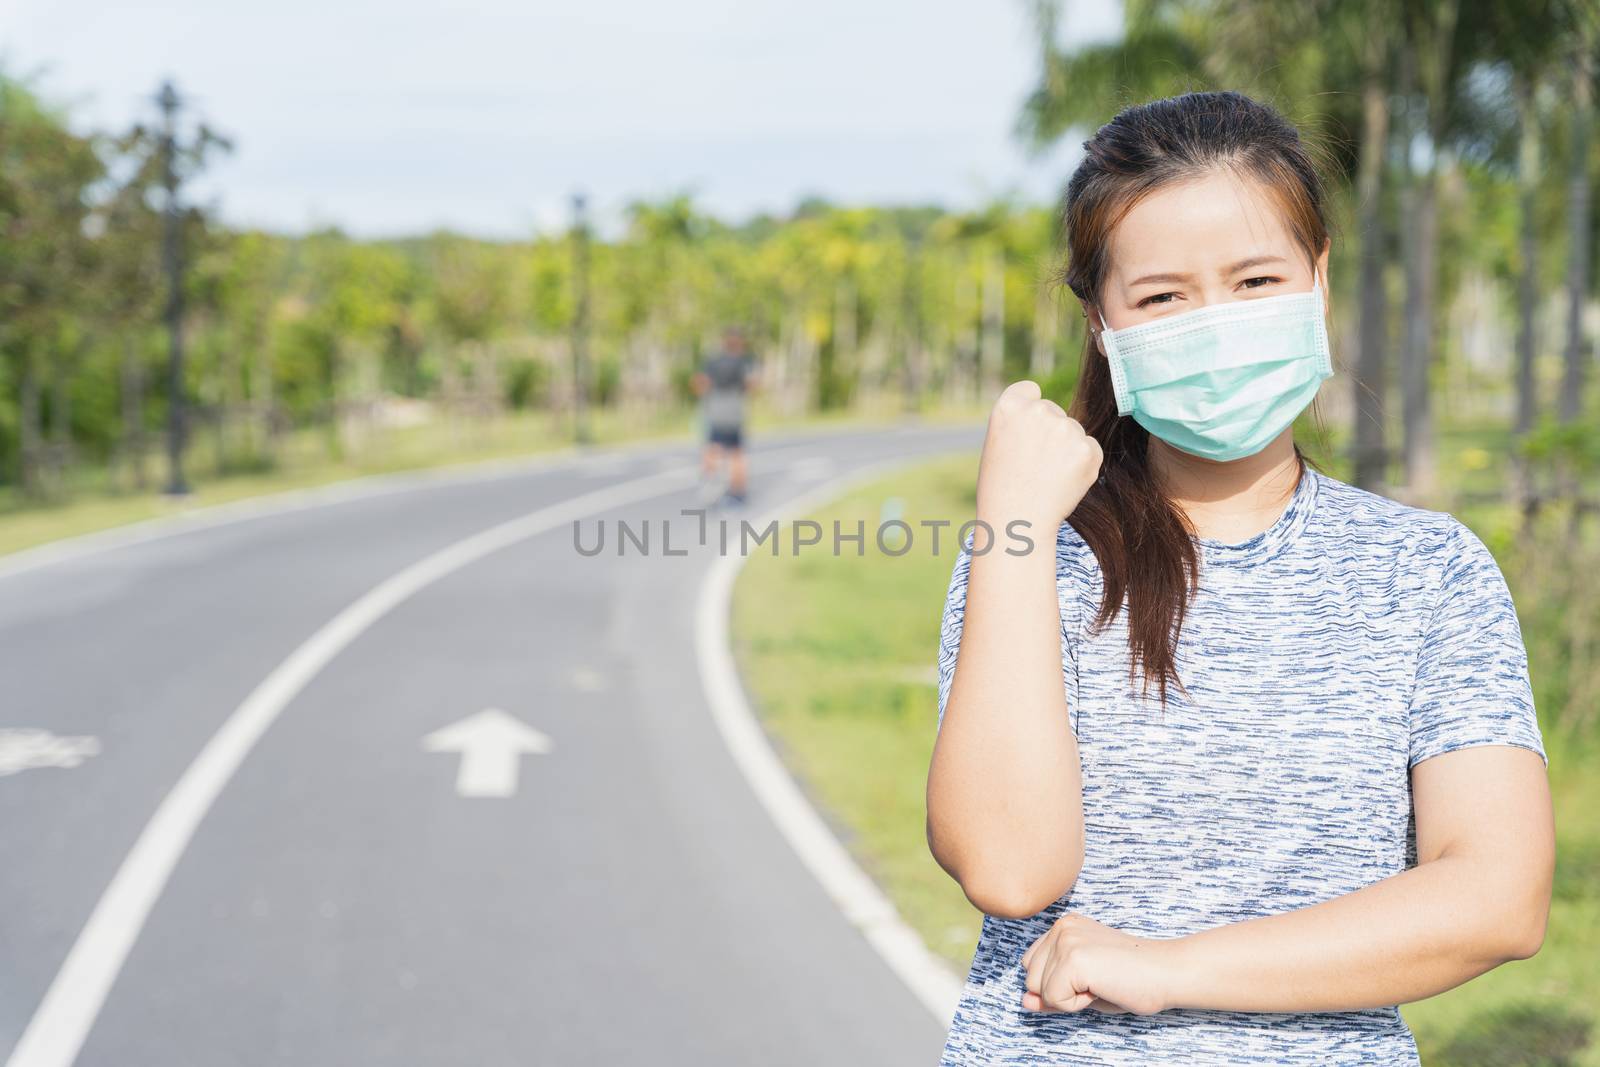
{"type": "Point", "coordinates": [1527, 41]}
{"type": "Point", "coordinates": [1584, 40]}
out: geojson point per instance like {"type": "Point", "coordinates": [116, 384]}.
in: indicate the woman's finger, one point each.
{"type": "Point", "coordinates": [1076, 1002]}
{"type": "Point", "coordinates": [1102, 1004]}
{"type": "Point", "coordinates": [1038, 965]}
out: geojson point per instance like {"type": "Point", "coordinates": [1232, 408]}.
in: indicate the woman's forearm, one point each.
{"type": "Point", "coordinates": [1410, 936]}
{"type": "Point", "coordinates": [1004, 791]}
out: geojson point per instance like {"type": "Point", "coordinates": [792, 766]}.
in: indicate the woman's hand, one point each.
{"type": "Point", "coordinates": [1037, 460]}
{"type": "Point", "coordinates": [1080, 964]}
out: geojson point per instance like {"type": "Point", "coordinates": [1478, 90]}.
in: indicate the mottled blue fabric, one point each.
{"type": "Point", "coordinates": [1324, 658]}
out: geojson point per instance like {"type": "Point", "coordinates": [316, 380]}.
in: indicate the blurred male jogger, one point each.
{"type": "Point", "coordinates": [721, 384]}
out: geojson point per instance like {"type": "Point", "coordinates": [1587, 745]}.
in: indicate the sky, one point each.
{"type": "Point", "coordinates": [485, 116]}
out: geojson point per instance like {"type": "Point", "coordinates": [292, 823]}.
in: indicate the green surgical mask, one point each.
{"type": "Point", "coordinates": [1224, 380]}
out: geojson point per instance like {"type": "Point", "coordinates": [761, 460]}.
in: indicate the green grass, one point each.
{"type": "Point", "coordinates": [303, 462]}
{"type": "Point", "coordinates": [843, 678]}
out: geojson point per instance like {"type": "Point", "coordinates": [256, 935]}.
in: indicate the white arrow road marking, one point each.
{"type": "Point", "coordinates": [25, 749]}
{"type": "Point", "coordinates": [491, 744]}
{"type": "Point", "coordinates": [62, 1021]}
{"type": "Point", "coordinates": [73, 1002]}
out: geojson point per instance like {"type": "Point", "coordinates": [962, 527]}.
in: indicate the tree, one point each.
{"type": "Point", "coordinates": [1584, 41]}
{"type": "Point", "coordinates": [46, 176]}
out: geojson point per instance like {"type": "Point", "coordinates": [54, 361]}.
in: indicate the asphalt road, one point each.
{"type": "Point", "coordinates": [383, 874]}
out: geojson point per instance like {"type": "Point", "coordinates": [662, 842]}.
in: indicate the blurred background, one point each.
{"type": "Point", "coordinates": [254, 250]}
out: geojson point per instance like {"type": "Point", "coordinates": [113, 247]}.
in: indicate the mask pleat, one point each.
{"type": "Point", "coordinates": [1223, 381]}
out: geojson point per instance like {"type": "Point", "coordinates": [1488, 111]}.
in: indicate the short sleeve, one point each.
{"type": "Point", "coordinates": [955, 612]}
{"type": "Point", "coordinates": [1472, 685]}
{"type": "Point", "coordinates": [1069, 580]}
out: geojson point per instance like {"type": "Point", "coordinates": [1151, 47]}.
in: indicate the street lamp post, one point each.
{"type": "Point", "coordinates": [580, 320]}
{"type": "Point", "coordinates": [171, 261]}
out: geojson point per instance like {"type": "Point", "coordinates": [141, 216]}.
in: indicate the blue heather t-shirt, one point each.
{"type": "Point", "coordinates": [1324, 658]}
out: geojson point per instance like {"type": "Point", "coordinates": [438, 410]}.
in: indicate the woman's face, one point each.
{"type": "Point", "coordinates": [1217, 238]}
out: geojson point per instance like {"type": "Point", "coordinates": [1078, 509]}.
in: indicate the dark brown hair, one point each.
{"type": "Point", "coordinates": [1142, 540]}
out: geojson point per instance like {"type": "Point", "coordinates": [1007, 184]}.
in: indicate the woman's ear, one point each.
{"type": "Point", "coordinates": [1096, 324]}
{"type": "Point", "coordinates": [1322, 272]}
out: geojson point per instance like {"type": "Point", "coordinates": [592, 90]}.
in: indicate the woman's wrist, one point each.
{"type": "Point", "coordinates": [1010, 527]}
{"type": "Point", "coordinates": [1174, 960]}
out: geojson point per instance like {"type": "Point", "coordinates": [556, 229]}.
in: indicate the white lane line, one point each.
{"type": "Point", "coordinates": [58, 1028]}
{"type": "Point", "coordinates": [209, 516]}
{"type": "Point", "coordinates": [813, 469]}
{"type": "Point", "coordinates": [373, 485]}
{"type": "Point", "coordinates": [850, 888]}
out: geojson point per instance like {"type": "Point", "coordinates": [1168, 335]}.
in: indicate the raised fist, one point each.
{"type": "Point", "coordinates": [1037, 461]}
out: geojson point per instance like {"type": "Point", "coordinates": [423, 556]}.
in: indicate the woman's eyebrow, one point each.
{"type": "Point", "coordinates": [1253, 261]}
{"type": "Point", "coordinates": [1243, 264]}
{"type": "Point", "coordinates": [1161, 278]}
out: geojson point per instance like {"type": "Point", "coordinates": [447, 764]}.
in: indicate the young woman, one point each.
{"type": "Point", "coordinates": [1239, 757]}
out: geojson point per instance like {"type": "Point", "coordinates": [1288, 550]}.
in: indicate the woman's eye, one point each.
{"type": "Point", "coordinates": [1159, 298]}
{"type": "Point", "coordinates": [1256, 283]}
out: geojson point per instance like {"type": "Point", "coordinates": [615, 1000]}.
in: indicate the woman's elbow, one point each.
{"type": "Point", "coordinates": [1531, 912]}
{"type": "Point", "coordinates": [1526, 938]}
{"type": "Point", "coordinates": [993, 879]}
{"type": "Point", "coordinates": [1515, 930]}
{"type": "Point", "coordinates": [1013, 902]}
{"type": "Point", "coordinates": [1012, 896]}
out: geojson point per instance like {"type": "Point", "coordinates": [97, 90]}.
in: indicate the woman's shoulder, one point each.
{"type": "Point", "coordinates": [1358, 522]}
{"type": "Point", "coordinates": [1344, 507]}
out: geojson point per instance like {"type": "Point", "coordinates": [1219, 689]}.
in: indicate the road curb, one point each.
{"type": "Point", "coordinates": [851, 889]}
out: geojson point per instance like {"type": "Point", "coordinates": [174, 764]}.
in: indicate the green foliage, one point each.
{"type": "Point", "coordinates": [1574, 445]}
{"type": "Point", "coordinates": [527, 384]}
{"type": "Point", "coordinates": [1061, 383]}
{"type": "Point", "coordinates": [1521, 1035]}
{"type": "Point", "coordinates": [1553, 566]}
{"type": "Point", "coordinates": [841, 300]}
{"type": "Point", "coordinates": [47, 173]}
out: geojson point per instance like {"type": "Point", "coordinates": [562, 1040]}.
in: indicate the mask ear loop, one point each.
{"type": "Point", "coordinates": [1095, 336]}
{"type": "Point", "coordinates": [1324, 347]}
{"type": "Point", "coordinates": [1119, 376]}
